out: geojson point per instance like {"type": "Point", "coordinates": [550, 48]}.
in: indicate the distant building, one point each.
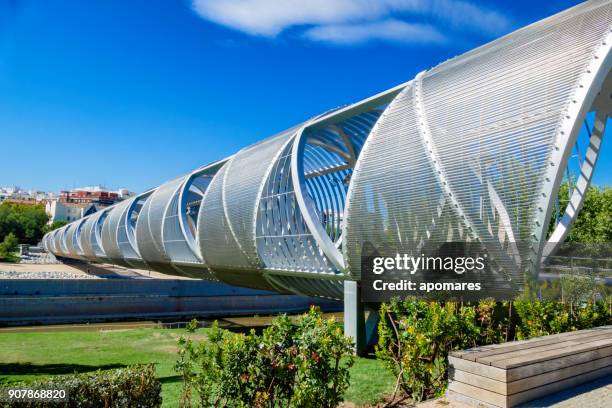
{"type": "Point", "coordinates": [16, 194]}
{"type": "Point", "coordinates": [25, 201]}
{"type": "Point", "coordinates": [69, 205]}
{"type": "Point", "coordinates": [63, 211]}
{"type": "Point", "coordinates": [73, 204]}
{"type": "Point", "coordinates": [86, 197]}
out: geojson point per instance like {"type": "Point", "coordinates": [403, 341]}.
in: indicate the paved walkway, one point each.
{"type": "Point", "coordinates": [596, 394]}
{"type": "Point", "coordinates": [75, 271]}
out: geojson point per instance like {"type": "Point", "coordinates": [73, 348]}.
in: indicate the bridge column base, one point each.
{"type": "Point", "coordinates": [363, 331]}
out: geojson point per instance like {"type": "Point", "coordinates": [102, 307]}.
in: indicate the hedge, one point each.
{"type": "Point", "coordinates": [131, 387]}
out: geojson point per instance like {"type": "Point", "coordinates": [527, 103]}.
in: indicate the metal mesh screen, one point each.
{"type": "Point", "coordinates": [329, 289]}
{"type": "Point", "coordinates": [461, 154]}
{"type": "Point", "coordinates": [123, 242]}
{"type": "Point", "coordinates": [149, 226]}
{"type": "Point", "coordinates": [284, 241]}
{"type": "Point", "coordinates": [227, 218]}
{"type": "Point", "coordinates": [175, 243]}
{"type": "Point", "coordinates": [111, 233]}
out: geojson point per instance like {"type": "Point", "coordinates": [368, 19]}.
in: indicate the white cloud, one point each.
{"type": "Point", "coordinates": [387, 30]}
{"type": "Point", "coordinates": [338, 21]}
{"type": "Point", "coordinates": [270, 17]}
{"type": "Point", "coordinates": [464, 15]}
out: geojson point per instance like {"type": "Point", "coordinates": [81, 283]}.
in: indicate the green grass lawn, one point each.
{"type": "Point", "coordinates": [25, 356]}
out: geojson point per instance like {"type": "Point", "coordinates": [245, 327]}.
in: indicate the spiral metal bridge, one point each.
{"type": "Point", "coordinates": [474, 149]}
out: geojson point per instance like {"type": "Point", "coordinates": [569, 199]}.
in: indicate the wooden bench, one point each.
{"type": "Point", "coordinates": [505, 375]}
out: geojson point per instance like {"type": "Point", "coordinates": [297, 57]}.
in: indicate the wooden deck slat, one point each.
{"type": "Point", "coordinates": [514, 387]}
{"type": "Point", "coordinates": [490, 360]}
{"type": "Point", "coordinates": [572, 341]}
{"type": "Point", "coordinates": [528, 383]}
{"type": "Point", "coordinates": [557, 386]}
{"type": "Point", "coordinates": [499, 387]}
{"type": "Point", "coordinates": [557, 364]}
{"type": "Point", "coordinates": [483, 395]}
{"type": "Point", "coordinates": [515, 344]}
{"type": "Point", "coordinates": [484, 351]}
{"type": "Point", "coordinates": [519, 344]}
{"type": "Point", "coordinates": [491, 372]}
{"type": "Point", "coordinates": [551, 355]}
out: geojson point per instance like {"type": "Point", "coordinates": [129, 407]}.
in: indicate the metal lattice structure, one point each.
{"type": "Point", "coordinates": [474, 149]}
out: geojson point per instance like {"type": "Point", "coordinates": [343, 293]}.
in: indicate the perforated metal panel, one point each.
{"type": "Point", "coordinates": [85, 237]}
{"type": "Point", "coordinates": [72, 239]}
{"type": "Point", "coordinates": [160, 237]}
{"type": "Point", "coordinates": [69, 243]}
{"type": "Point", "coordinates": [226, 227]}
{"type": "Point", "coordinates": [190, 201]}
{"type": "Point", "coordinates": [149, 227]}
{"type": "Point", "coordinates": [284, 241]}
{"type": "Point", "coordinates": [97, 234]}
{"type": "Point", "coordinates": [61, 241]}
{"type": "Point", "coordinates": [328, 289]}
{"type": "Point", "coordinates": [111, 233]}
{"type": "Point", "coordinates": [463, 152]}
{"type": "Point", "coordinates": [323, 155]}
{"type": "Point", "coordinates": [56, 243]}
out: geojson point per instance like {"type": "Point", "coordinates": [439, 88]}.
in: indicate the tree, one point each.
{"type": "Point", "coordinates": [594, 222]}
{"type": "Point", "coordinates": [8, 246]}
{"type": "Point", "coordinates": [54, 225]}
{"type": "Point", "coordinates": [26, 222]}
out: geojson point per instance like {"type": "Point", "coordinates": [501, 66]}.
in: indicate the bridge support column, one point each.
{"type": "Point", "coordinates": [363, 332]}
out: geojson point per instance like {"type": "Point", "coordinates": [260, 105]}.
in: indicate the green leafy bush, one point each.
{"type": "Point", "coordinates": [540, 318]}
{"type": "Point", "coordinates": [415, 337]}
{"type": "Point", "coordinates": [289, 365]}
{"type": "Point", "coordinates": [543, 317]}
{"type": "Point", "coordinates": [132, 387]}
{"type": "Point", "coordinates": [495, 321]}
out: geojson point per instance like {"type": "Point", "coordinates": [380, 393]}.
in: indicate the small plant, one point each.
{"type": "Point", "coordinates": [288, 365]}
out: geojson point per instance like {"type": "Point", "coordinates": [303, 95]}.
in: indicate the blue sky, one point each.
{"type": "Point", "coordinates": [133, 93]}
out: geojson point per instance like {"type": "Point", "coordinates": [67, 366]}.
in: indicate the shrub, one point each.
{"type": "Point", "coordinates": [544, 317]}
{"type": "Point", "coordinates": [495, 320]}
{"type": "Point", "coordinates": [415, 337]}
{"type": "Point", "coordinates": [541, 317]}
{"type": "Point", "coordinates": [134, 386]}
{"type": "Point", "coordinates": [288, 365]}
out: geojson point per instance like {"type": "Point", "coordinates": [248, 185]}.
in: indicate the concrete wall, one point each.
{"type": "Point", "coordinates": [30, 301]}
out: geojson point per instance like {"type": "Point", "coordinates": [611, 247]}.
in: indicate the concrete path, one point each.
{"type": "Point", "coordinates": [75, 271]}
{"type": "Point", "coordinates": [596, 394]}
